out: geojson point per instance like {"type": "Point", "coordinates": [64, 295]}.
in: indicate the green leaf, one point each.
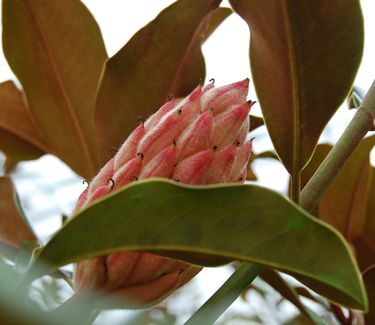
{"type": "Point", "coordinates": [369, 278]}
{"type": "Point", "coordinates": [162, 58]}
{"type": "Point", "coordinates": [14, 229]}
{"type": "Point", "coordinates": [56, 51]}
{"type": "Point", "coordinates": [240, 222]}
{"type": "Point", "coordinates": [20, 138]}
{"type": "Point", "coordinates": [304, 56]}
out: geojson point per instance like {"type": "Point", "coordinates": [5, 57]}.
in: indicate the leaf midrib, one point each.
{"type": "Point", "coordinates": [18, 132]}
{"type": "Point", "coordinates": [295, 90]}
{"type": "Point", "coordinates": [24, 137]}
{"type": "Point", "coordinates": [68, 104]}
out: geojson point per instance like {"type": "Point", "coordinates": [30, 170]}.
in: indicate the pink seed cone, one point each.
{"type": "Point", "coordinates": [198, 140]}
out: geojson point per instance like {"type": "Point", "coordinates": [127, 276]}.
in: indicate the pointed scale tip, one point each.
{"type": "Point", "coordinates": [250, 103]}
{"type": "Point", "coordinates": [196, 93]}
{"type": "Point", "coordinates": [243, 83]}
{"type": "Point", "coordinates": [208, 86]}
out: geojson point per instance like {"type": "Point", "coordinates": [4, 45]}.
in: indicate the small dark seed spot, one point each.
{"type": "Point", "coordinates": [215, 148]}
{"type": "Point", "coordinates": [133, 178]}
{"type": "Point", "coordinates": [241, 179]}
{"type": "Point", "coordinates": [238, 143]}
{"type": "Point", "coordinates": [170, 97]}
{"type": "Point", "coordinates": [176, 180]}
{"type": "Point", "coordinates": [174, 142]}
{"type": "Point", "coordinates": [179, 111]}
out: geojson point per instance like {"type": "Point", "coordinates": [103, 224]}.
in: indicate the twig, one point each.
{"type": "Point", "coordinates": [362, 122]}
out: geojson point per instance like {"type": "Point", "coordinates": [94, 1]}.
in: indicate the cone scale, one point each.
{"type": "Point", "coordinates": [198, 140]}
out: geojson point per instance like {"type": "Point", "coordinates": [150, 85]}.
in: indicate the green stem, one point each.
{"type": "Point", "coordinates": [362, 122]}
{"type": "Point", "coordinates": [80, 309]}
{"type": "Point", "coordinates": [214, 307]}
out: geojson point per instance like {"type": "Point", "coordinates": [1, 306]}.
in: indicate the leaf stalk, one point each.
{"type": "Point", "coordinates": [362, 122]}
{"type": "Point", "coordinates": [220, 301]}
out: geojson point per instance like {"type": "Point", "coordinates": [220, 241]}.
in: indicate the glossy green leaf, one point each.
{"type": "Point", "coordinates": [240, 222]}
{"type": "Point", "coordinates": [369, 278]}
{"type": "Point", "coordinates": [20, 138]}
{"type": "Point", "coordinates": [304, 56]}
{"type": "Point", "coordinates": [162, 58]}
{"type": "Point", "coordinates": [56, 51]}
{"type": "Point", "coordinates": [14, 229]}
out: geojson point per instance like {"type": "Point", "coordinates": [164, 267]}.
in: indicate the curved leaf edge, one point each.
{"type": "Point", "coordinates": [362, 305]}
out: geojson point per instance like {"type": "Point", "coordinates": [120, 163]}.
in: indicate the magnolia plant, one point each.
{"type": "Point", "coordinates": [174, 197]}
{"type": "Point", "coordinates": [199, 140]}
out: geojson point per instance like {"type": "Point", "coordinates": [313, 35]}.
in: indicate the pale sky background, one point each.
{"type": "Point", "coordinates": [47, 187]}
